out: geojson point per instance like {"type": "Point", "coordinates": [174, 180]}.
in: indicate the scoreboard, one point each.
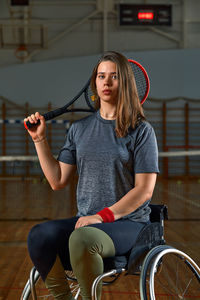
{"type": "Point", "coordinates": [145, 14]}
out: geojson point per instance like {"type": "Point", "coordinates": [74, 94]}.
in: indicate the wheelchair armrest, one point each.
{"type": "Point", "coordinates": [158, 213]}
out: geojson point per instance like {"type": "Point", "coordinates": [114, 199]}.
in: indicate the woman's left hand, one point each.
{"type": "Point", "coordinates": [84, 221]}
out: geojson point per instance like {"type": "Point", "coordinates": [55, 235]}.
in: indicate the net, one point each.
{"type": "Point", "coordinates": [25, 191]}
{"type": "Point", "coordinates": [179, 184]}
{"type": "Point", "coordinates": [180, 163]}
{"type": "Point", "coordinates": [171, 164]}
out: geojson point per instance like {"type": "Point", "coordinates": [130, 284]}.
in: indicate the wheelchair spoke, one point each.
{"type": "Point", "coordinates": [169, 280]}
{"type": "Point", "coordinates": [168, 273]}
{"type": "Point", "coordinates": [176, 279]}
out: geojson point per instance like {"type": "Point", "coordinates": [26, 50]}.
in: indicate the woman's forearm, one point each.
{"type": "Point", "coordinates": [141, 193]}
{"type": "Point", "coordinates": [57, 173]}
{"type": "Point", "coordinates": [129, 203]}
{"type": "Point", "coordinates": [50, 166]}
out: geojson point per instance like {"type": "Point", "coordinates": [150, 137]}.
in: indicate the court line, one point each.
{"type": "Point", "coordinates": [104, 292]}
{"type": "Point", "coordinates": [157, 294]}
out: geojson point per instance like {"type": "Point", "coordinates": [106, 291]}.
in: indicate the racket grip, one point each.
{"type": "Point", "coordinates": [29, 125]}
{"type": "Point", "coordinates": [48, 116]}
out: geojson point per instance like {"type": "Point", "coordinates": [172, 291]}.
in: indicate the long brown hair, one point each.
{"type": "Point", "coordinates": [129, 111]}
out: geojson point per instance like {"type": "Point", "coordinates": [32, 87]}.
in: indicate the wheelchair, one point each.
{"type": "Point", "coordinates": [164, 272]}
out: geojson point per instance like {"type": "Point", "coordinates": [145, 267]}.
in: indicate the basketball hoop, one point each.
{"type": "Point", "coordinates": [22, 52]}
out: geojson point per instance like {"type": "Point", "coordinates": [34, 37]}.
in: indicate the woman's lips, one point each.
{"type": "Point", "coordinates": [106, 92]}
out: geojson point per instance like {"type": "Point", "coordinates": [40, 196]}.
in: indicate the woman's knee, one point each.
{"type": "Point", "coordinates": [45, 242]}
{"type": "Point", "coordinates": [42, 235]}
{"type": "Point", "coordinates": [91, 240]}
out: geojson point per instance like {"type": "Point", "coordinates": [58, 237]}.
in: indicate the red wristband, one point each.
{"type": "Point", "coordinates": [107, 215]}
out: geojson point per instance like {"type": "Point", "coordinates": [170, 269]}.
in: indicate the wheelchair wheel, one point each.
{"type": "Point", "coordinates": [35, 288]}
{"type": "Point", "coordinates": [168, 273]}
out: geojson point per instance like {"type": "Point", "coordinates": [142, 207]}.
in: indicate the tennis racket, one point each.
{"type": "Point", "coordinates": [142, 83]}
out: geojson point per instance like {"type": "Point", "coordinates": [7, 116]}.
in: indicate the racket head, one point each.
{"type": "Point", "coordinates": [141, 79]}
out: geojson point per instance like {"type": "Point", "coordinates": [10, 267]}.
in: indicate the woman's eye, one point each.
{"type": "Point", "coordinates": [114, 77]}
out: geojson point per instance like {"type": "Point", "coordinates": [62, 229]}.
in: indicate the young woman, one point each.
{"type": "Point", "coordinates": [115, 153]}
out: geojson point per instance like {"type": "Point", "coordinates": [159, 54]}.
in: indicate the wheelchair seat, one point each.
{"type": "Point", "coordinates": [151, 235]}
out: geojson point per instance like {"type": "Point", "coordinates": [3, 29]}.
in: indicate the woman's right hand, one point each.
{"type": "Point", "coordinates": [37, 132]}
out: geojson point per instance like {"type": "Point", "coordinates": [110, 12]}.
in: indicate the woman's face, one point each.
{"type": "Point", "coordinates": [107, 82]}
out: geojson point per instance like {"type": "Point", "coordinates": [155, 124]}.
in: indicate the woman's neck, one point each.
{"type": "Point", "coordinates": [108, 113]}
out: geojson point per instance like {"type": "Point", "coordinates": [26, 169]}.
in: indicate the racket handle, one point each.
{"type": "Point", "coordinates": [29, 125]}
{"type": "Point", "coordinates": [48, 116]}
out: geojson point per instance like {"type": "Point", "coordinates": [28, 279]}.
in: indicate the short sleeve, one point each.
{"type": "Point", "coordinates": [67, 153]}
{"type": "Point", "coordinates": [146, 151]}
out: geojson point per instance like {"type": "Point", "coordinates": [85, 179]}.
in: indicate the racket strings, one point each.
{"type": "Point", "coordinates": [90, 97]}
{"type": "Point", "coordinates": [140, 80]}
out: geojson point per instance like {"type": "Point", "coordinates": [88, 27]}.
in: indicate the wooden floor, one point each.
{"type": "Point", "coordinates": [25, 203]}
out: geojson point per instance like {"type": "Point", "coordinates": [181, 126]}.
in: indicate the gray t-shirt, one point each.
{"type": "Point", "coordinates": [107, 164]}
